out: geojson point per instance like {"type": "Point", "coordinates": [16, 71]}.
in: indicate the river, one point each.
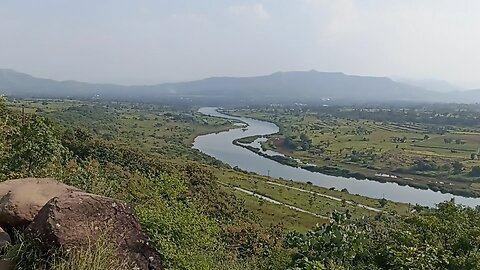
{"type": "Point", "coordinates": [219, 145]}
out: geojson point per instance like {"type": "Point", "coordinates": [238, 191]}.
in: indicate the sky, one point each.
{"type": "Point", "coordinates": [155, 41]}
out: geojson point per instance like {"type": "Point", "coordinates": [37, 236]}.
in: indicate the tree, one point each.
{"type": "Point", "coordinates": [34, 145]}
{"type": "Point", "coordinates": [4, 131]}
{"type": "Point", "coordinates": [457, 167]}
{"type": "Point", "coordinates": [337, 245]}
{"type": "Point", "coordinates": [424, 165]}
{"type": "Point", "coordinates": [290, 142]}
{"type": "Point", "coordinates": [382, 202]}
{"type": "Point", "coordinates": [306, 141]}
{"type": "Point", "coordinates": [475, 171]}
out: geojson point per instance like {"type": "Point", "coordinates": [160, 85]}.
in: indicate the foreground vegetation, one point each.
{"type": "Point", "coordinates": [99, 254]}
{"type": "Point", "coordinates": [195, 217]}
{"type": "Point", "coordinates": [435, 147]}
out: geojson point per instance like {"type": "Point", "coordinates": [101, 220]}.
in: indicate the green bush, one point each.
{"type": "Point", "coordinates": [444, 238]}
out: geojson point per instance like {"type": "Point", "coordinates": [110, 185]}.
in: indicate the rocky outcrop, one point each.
{"type": "Point", "coordinates": [73, 219]}
{"type": "Point", "coordinates": [61, 216]}
{"type": "Point", "coordinates": [21, 199]}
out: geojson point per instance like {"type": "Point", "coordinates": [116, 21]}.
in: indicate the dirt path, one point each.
{"type": "Point", "coordinates": [270, 200]}
{"type": "Point", "coordinates": [326, 196]}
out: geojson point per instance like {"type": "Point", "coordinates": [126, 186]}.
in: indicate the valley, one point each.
{"type": "Point", "coordinates": [169, 131]}
{"type": "Point", "coordinates": [148, 155]}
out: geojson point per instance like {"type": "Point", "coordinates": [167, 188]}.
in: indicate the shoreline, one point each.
{"type": "Point", "coordinates": [341, 172]}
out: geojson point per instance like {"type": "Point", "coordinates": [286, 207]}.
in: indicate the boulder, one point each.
{"type": "Point", "coordinates": [4, 239]}
{"type": "Point", "coordinates": [5, 265]}
{"type": "Point", "coordinates": [72, 219]}
{"type": "Point", "coordinates": [21, 199]}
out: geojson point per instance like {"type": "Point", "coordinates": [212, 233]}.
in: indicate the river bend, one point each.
{"type": "Point", "coordinates": [219, 145]}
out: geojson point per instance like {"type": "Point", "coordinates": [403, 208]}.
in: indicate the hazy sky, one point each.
{"type": "Point", "coordinates": [151, 41]}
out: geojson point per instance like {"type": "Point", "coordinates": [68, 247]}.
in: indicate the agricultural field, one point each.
{"type": "Point", "coordinates": [425, 155]}
{"type": "Point", "coordinates": [320, 201]}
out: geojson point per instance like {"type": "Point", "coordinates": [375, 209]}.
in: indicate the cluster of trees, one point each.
{"type": "Point", "coordinates": [294, 142]}
{"type": "Point", "coordinates": [450, 140]}
{"type": "Point", "coordinates": [457, 167]}
{"type": "Point", "coordinates": [399, 140]}
{"type": "Point", "coordinates": [362, 156]}
{"type": "Point", "coordinates": [425, 165]}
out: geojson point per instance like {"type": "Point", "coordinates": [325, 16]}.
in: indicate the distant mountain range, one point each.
{"type": "Point", "coordinates": [298, 86]}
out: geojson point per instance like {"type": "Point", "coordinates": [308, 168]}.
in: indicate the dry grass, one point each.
{"type": "Point", "coordinates": [99, 254]}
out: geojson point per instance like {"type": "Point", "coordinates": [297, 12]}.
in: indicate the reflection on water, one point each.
{"type": "Point", "coordinates": [220, 146]}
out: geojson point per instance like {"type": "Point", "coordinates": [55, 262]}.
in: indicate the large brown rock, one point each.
{"type": "Point", "coordinates": [67, 221]}
{"type": "Point", "coordinates": [21, 199]}
{"type": "Point", "coordinates": [5, 265]}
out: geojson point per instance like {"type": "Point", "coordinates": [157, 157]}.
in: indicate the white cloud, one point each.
{"type": "Point", "coordinates": [413, 38]}
{"type": "Point", "coordinates": [257, 10]}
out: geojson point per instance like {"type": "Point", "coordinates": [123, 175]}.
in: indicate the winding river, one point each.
{"type": "Point", "coordinates": [219, 145]}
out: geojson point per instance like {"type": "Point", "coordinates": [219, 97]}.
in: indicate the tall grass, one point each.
{"type": "Point", "coordinates": [98, 254]}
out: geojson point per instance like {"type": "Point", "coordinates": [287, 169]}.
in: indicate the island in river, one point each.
{"type": "Point", "coordinates": [415, 146]}
{"type": "Point", "coordinates": [220, 146]}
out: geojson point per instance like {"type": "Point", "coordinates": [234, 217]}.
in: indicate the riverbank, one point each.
{"type": "Point", "coordinates": [246, 158]}
{"type": "Point", "coordinates": [335, 167]}
{"type": "Point", "coordinates": [375, 176]}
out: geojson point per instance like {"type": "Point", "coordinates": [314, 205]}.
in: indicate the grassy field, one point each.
{"type": "Point", "coordinates": [304, 196]}
{"type": "Point", "coordinates": [418, 154]}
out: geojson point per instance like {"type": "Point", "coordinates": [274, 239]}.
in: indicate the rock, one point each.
{"type": "Point", "coordinates": [5, 265]}
{"type": "Point", "coordinates": [4, 239]}
{"type": "Point", "coordinates": [70, 220]}
{"type": "Point", "coordinates": [21, 199]}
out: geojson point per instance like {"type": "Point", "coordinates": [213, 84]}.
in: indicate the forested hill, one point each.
{"type": "Point", "coordinates": [307, 87]}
